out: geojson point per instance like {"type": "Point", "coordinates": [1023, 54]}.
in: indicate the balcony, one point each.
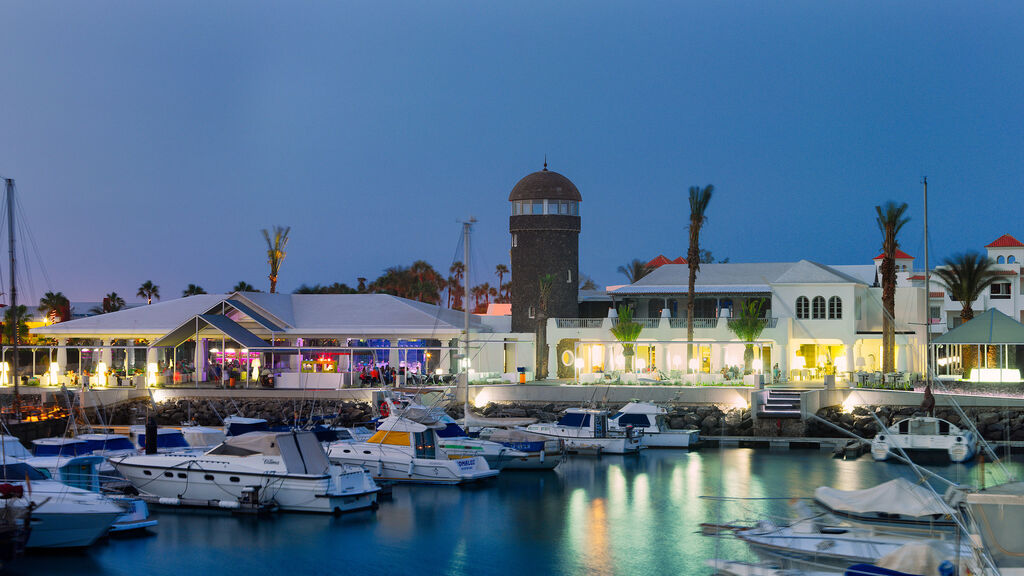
{"type": "Point", "coordinates": [767, 323]}
{"type": "Point", "coordinates": [578, 322]}
{"type": "Point", "coordinates": [697, 323]}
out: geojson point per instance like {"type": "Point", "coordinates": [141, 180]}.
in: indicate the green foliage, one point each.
{"type": "Point", "coordinates": [420, 281]}
{"type": "Point", "coordinates": [193, 290]}
{"type": "Point", "coordinates": [626, 331]}
{"type": "Point", "coordinates": [12, 316]}
{"type": "Point", "coordinates": [748, 327]}
{"type": "Point", "coordinates": [635, 270]}
{"type": "Point", "coordinates": [111, 303]}
{"type": "Point", "coordinates": [244, 286]}
{"type": "Point", "coordinates": [148, 290]}
{"type": "Point", "coordinates": [335, 288]}
{"type": "Point", "coordinates": [56, 306]}
{"type": "Point", "coordinates": [276, 243]}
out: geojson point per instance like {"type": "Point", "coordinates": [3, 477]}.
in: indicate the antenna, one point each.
{"type": "Point", "coordinates": [545, 162]}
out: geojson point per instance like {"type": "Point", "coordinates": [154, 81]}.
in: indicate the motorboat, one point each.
{"type": "Point", "coordinates": [996, 521]}
{"type": "Point", "coordinates": [83, 472]}
{"type": "Point", "coordinates": [807, 544]}
{"type": "Point", "coordinates": [539, 452]}
{"type": "Point", "coordinates": [107, 444]}
{"type": "Point", "coordinates": [286, 469]}
{"type": "Point", "coordinates": [11, 447]}
{"type": "Point", "coordinates": [405, 450]}
{"type": "Point", "coordinates": [652, 420]}
{"type": "Point", "coordinates": [586, 430]}
{"type": "Point", "coordinates": [452, 441]}
{"type": "Point", "coordinates": [63, 516]}
{"type": "Point", "coordinates": [925, 435]}
{"type": "Point", "coordinates": [238, 425]}
{"type": "Point", "coordinates": [15, 509]}
{"type": "Point", "coordinates": [894, 504]}
{"type": "Point", "coordinates": [202, 437]}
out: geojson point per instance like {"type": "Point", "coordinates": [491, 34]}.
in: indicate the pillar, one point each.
{"type": "Point", "coordinates": [902, 354]}
{"type": "Point", "coordinates": [393, 351]}
{"type": "Point", "coordinates": [152, 356]}
{"type": "Point", "coordinates": [199, 360]}
{"type": "Point", "coordinates": [107, 355]}
{"type": "Point", "coordinates": [62, 356]}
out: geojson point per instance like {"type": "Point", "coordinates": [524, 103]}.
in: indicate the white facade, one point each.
{"type": "Point", "coordinates": [1005, 295]}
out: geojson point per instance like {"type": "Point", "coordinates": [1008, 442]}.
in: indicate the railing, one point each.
{"type": "Point", "coordinates": [768, 322]}
{"type": "Point", "coordinates": [697, 322]}
{"type": "Point", "coordinates": [643, 322]}
{"type": "Point", "coordinates": [578, 322]}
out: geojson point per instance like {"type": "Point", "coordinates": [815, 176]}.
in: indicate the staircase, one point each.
{"type": "Point", "coordinates": [780, 404]}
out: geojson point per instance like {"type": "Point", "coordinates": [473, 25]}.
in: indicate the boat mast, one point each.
{"type": "Point", "coordinates": [466, 227]}
{"type": "Point", "coordinates": [927, 293]}
{"type": "Point", "coordinates": [14, 300]}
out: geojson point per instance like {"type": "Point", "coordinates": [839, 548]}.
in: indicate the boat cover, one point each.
{"type": "Point", "coordinates": [483, 421]}
{"type": "Point", "coordinates": [897, 496]}
{"type": "Point", "coordinates": [301, 452]}
{"type": "Point", "coordinates": [200, 436]}
{"type": "Point", "coordinates": [913, 558]}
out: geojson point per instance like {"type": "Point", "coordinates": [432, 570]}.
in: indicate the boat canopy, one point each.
{"type": "Point", "coordinates": [98, 442]}
{"type": "Point", "coordinates": [165, 438]}
{"type": "Point", "coordinates": [574, 420]}
{"type": "Point", "coordinates": [238, 425]}
{"type": "Point", "coordinates": [12, 448]}
{"type": "Point", "coordinates": [300, 451]}
{"type": "Point", "coordinates": [59, 447]}
{"type": "Point", "coordinates": [897, 496]}
{"type": "Point", "coordinates": [407, 424]}
{"type": "Point", "coordinates": [642, 408]}
{"type": "Point", "coordinates": [452, 430]}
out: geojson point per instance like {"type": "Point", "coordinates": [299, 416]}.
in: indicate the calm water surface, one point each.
{"type": "Point", "coordinates": [635, 515]}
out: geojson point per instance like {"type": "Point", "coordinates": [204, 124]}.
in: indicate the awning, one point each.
{"type": "Point", "coordinates": [223, 324]}
{"type": "Point", "coordinates": [992, 327]}
{"type": "Point", "coordinates": [257, 317]}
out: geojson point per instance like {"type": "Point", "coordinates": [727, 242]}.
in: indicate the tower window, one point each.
{"type": "Point", "coordinates": [1011, 259]}
{"type": "Point", "coordinates": [515, 240]}
{"type": "Point", "coordinates": [532, 313]}
{"type": "Point", "coordinates": [569, 278]}
{"type": "Point", "coordinates": [538, 207]}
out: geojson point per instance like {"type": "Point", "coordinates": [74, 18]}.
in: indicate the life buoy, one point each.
{"type": "Point", "coordinates": [385, 409]}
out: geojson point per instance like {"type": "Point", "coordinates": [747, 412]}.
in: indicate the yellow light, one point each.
{"type": "Point", "coordinates": [799, 362]}
{"type": "Point", "coordinates": [54, 369]}
{"type": "Point", "coordinates": [101, 374]}
{"type": "Point", "coordinates": [151, 372]}
{"type": "Point", "coordinates": [841, 361]}
{"type": "Point", "coordinates": [693, 364]}
{"type": "Point", "coordinates": [4, 369]}
{"type": "Point", "coordinates": [481, 399]}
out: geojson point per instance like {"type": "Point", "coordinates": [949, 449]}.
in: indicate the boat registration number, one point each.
{"type": "Point", "coordinates": [466, 463]}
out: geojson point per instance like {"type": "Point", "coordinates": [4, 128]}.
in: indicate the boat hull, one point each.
{"type": "Point", "coordinates": [62, 530]}
{"type": "Point", "coordinates": [296, 493]}
{"type": "Point", "coordinates": [534, 461]}
{"type": "Point", "coordinates": [673, 439]}
{"type": "Point", "coordinates": [418, 471]}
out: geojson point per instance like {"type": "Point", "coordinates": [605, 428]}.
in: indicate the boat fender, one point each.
{"type": "Point", "coordinates": [412, 467]}
{"type": "Point", "coordinates": [170, 501]}
{"type": "Point", "coordinates": [228, 504]}
{"type": "Point", "coordinates": [542, 451]}
{"type": "Point", "coordinates": [380, 468]}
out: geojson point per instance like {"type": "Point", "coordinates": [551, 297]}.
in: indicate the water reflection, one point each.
{"type": "Point", "coordinates": [632, 515]}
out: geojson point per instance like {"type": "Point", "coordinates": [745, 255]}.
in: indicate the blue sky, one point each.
{"type": "Point", "coordinates": [153, 140]}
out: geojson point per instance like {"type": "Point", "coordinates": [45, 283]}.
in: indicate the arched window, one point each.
{"type": "Point", "coordinates": [835, 308]}
{"type": "Point", "coordinates": [999, 260]}
{"type": "Point", "coordinates": [803, 308]}
{"type": "Point", "coordinates": [1011, 259]}
{"type": "Point", "coordinates": [818, 308]}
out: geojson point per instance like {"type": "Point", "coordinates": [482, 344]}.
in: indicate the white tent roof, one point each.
{"type": "Point", "coordinates": [897, 496]}
{"type": "Point", "coordinates": [742, 278]}
{"type": "Point", "coordinates": [353, 315]}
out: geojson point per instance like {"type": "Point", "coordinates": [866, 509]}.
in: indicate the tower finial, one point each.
{"type": "Point", "coordinates": [545, 162]}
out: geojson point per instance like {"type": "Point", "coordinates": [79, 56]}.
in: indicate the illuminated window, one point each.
{"type": "Point", "coordinates": [803, 306]}
{"type": "Point", "coordinates": [835, 308]}
{"type": "Point", "coordinates": [818, 308]}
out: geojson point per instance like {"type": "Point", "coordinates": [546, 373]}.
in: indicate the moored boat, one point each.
{"type": "Point", "coordinates": [925, 436]}
{"type": "Point", "coordinates": [896, 503]}
{"type": "Point", "coordinates": [586, 430]}
{"type": "Point", "coordinates": [539, 452]}
{"type": "Point", "coordinates": [288, 469]}
{"type": "Point", "coordinates": [652, 420]}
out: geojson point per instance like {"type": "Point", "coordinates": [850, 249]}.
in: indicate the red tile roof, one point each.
{"type": "Point", "coordinates": [900, 255]}
{"type": "Point", "coordinates": [679, 260]}
{"type": "Point", "coordinates": [661, 260]}
{"type": "Point", "coordinates": [1005, 241]}
{"type": "Point", "coordinates": [1006, 272]}
{"type": "Point", "coordinates": [918, 277]}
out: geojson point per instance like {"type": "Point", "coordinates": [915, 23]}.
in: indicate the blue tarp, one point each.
{"type": "Point", "coordinates": [108, 444]}
{"type": "Point", "coordinates": [166, 439]}
{"type": "Point", "coordinates": [66, 448]}
{"type": "Point", "coordinates": [574, 420]}
{"type": "Point", "coordinates": [452, 430]}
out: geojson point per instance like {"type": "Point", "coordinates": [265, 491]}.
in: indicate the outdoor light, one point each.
{"type": "Point", "coordinates": [579, 363]}
{"type": "Point", "coordinates": [438, 371]}
{"type": "Point", "coordinates": [101, 373]}
{"type": "Point", "coordinates": [255, 368]}
{"type": "Point", "coordinates": [245, 350]}
{"type": "Point", "coordinates": [677, 361]}
{"type": "Point", "coordinates": [54, 369]}
{"type": "Point", "coordinates": [214, 350]}
{"type": "Point", "coordinates": [641, 364]}
{"type": "Point", "coordinates": [841, 361]}
{"type": "Point", "coordinates": [693, 364]}
{"type": "Point", "coordinates": [4, 369]}
{"type": "Point", "coordinates": [151, 371]}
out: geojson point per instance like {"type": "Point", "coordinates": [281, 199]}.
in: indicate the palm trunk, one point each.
{"type": "Point", "coordinates": [693, 259]}
{"type": "Point", "coordinates": [967, 353]}
{"type": "Point", "coordinates": [542, 348]}
{"type": "Point", "coordinates": [888, 270]}
{"type": "Point", "coordinates": [748, 358]}
{"type": "Point", "coordinates": [273, 284]}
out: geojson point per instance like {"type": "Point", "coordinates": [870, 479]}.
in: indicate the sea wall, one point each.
{"type": "Point", "coordinates": [211, 411]}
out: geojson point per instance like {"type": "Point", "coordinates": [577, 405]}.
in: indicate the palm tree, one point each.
{"type": "Point", "coordinates": [361, 288]}
{"type": "Point", "coordinates": [547, 281]}
{"type": "Point", "coordinates": [890, 219]}
{"type": "Point", "coordinates": [627, 331]}
{"type": "Point", "coordinates": [275, 252]}
{"type": "Point", "coordinates": [148, 290]}
{"type": "Point", "coordinates": [500, 271]}
{"type": "Point", "coordinates": [965, 277]}
{"type": "Point", "coordinates": [748, 327]}
{"type": "Point", "coordinates": [111, 303]}
{"type": "Point", "coordinates": [635, 270]}
{"type": "Point", "coordinates": [587, 283]}
{"type": "Point", "coordinates": [457, 271]}
{"type": "Point", "coordinates": [244, 286]}
{"type": "Point", "coordinates": [699, 200]}
{"type": "Point", "coordinates": [12, 317]}
{"type": "Point", "coordinates": [193, 290]}
{"type": "Point", "coordinates": [55, 306]}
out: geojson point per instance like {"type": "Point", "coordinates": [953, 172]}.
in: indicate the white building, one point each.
{"type": "Point", "coordinates": [821, 320]}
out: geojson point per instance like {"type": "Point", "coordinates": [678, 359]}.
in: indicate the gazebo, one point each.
{"type": "Point", "coordinates": [992, 328]}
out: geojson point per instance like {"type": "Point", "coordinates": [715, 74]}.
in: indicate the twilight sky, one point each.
{"type": "Point", "coordinates": [153, 140]}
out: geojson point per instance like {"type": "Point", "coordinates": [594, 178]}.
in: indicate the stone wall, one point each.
{"type": "Point", "coordinates": [211, 411]}
{"type": "Point", "coordinates": [995, 424]}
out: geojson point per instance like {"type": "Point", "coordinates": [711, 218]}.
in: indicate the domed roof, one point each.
{"type": "Point", "coordinates": [545, 185]}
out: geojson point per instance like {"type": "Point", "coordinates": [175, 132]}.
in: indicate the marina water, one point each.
{"type": "Point", "coordinates": [635, 515]}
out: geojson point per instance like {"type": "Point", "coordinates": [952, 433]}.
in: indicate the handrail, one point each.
{"type": "Point", "coordinates": [578, 322]}
{"type": "Point", "coordinates": [768, 322]}
{"type": "Point", "coordinates": [697, 322]}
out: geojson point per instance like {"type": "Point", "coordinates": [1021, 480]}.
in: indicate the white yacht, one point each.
{"type": "Point", "coordinates": [897, 503]}
{"type": "Point", "coordinates": [453, 442]}
{"type": "Point", "coordinates": [539, 452]}
{"type": "Point", "coordinates": [925, 435]}
{"type": "Point", "coordinates": [202, 437]}
{"type": "Point", "coordinates": [84, 472]}
{"type": "Point", "coordinates": [64, 516]}
{"type": "Point", "coordinates": [404, 450]}
{"type": "Point", "coordinates": [652, 420]}
{"type": "Point", "coordinates": [289, 469]}
{"type": "Point", "coordinates": [586, 430]}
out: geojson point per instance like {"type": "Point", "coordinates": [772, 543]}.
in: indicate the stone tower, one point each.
{"type": "Point", "coordinates": [545, 227]}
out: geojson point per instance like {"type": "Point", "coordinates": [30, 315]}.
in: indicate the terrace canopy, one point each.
{"type": "Point", "coordinates": [992, 328]}
{"type": "Point", "coordinates": [222, 324]}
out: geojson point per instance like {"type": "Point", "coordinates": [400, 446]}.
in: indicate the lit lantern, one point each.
{"type": "Point", "coordinates": [151, 371]}
{"type": "Point", "coordinates": [101, 374]}
{"type": "Point", "coordinates": [255, 369]}
{"type": "Point", "coordinates": [4, 374]}
{"type": "Point", "coordinates": [54, 376]}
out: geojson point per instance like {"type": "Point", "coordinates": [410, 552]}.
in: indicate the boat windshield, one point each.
{"type": "Point", "coordinates": [20, 472]}
{"type": "Point", "coordinates": [924, 427]}
{"type": "Point", "coordinates": [636, 420]}
{"type": "Point", "coordinates": [575, 420]}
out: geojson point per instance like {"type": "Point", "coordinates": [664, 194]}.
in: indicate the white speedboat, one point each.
{"type": "Point", "coordinates": [453, 442]}
{"type": "Point", "coordinates": [202, 437]}
{"type": "Point", "coordinates": [586, 430]}
{"type": "Point", "coordinates": [539, 452]}
{"type": "Point", "coordinates": [404, 450]}
{"type": "Point", "coordinates": [652, 420]}
{"type": "Point", "coordinates": [924, 435]}
{"type": "Point", "coordinates": [897, 503]}
{"type": "Point", "coordinates": [63, 516]}
{"type": "Point", "coordinates": [289, 469]}
{"type": "Point", "coordinates": [83, 472]}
